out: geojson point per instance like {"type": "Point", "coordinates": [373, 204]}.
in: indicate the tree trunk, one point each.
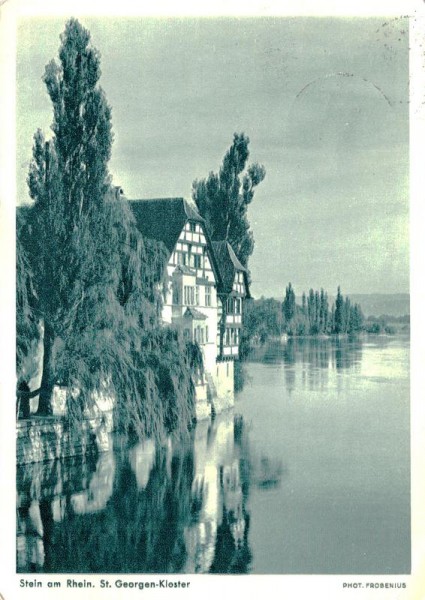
{"type": "Point", "coordinates": [45, 399]}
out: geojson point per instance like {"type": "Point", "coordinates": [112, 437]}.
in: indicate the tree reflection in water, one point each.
{"type": "Point", "coordinates": [144, 509]}
{"type": "Point", "coordinates": [318, 356]}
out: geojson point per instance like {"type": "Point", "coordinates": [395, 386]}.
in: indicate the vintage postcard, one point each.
{"type": "Point", "coordinates": [211, 323]}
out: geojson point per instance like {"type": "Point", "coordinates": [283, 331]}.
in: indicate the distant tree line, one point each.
{"type": "Point", "coordinates": [268, 317]}
{"type": "Point", "coordinates": [387, 324]}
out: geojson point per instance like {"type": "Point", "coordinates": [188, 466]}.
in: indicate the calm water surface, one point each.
{"type": "Point", "coordinates": [309, 474]}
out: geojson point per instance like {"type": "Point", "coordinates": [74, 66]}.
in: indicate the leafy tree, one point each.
{"type": "Point", "coordinates": [311, 310]}
{"type": "Point", "coordinates": [26, 321]}
{"type": "Point", "coordinates": [356, 319]}
{"type": "Point", "coordinates": [324, 311]}
{"type": "Point", "coordinates": [347, 315]}
{"type": "Point", "coordinates": [95, 278]}
{"type": "Point", "coordinates": [339, 312]}
{"type": "Point", "coordinates": [289, 303]}
{"type": "Point", "coordinates": [223, 198]}
{"type": "Point", "coordinates": [68, 180]}
{"type": "Point", "coordinates": [304, 304]}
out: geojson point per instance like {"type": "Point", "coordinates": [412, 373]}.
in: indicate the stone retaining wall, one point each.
{"type": "Point", "coordinates": [40, 439]}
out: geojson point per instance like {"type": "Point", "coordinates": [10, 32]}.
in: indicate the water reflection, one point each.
{"type": "Point", "coordinates": [317, 357]}
{"type": "Point", "coordinates": [308, 478]}
{"type": "Point", "coordinates": [44, 490]}
{"type": "Point", "coordinates": [150, 509]}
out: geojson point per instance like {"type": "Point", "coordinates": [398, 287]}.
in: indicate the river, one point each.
{"type": "Point", "coordinates": [310, 473]}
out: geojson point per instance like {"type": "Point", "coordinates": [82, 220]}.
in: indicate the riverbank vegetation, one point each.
{"type": "Point", "coordinates": [387, 324]}
{"type": "Point", "coordinates": [88, 284]}
{"type": "Point", "coordinates": [315, 315]}
{"type": "Point", "coordinates": [268, 317]}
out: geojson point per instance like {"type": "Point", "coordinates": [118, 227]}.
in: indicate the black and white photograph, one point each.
{"type": "Point", "coordinates": [212, 281]}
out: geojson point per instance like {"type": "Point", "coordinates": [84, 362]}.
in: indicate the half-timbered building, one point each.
{"type": "Point", "coordinates": [205, 285]}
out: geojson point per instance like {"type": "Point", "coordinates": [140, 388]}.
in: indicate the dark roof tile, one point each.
{"type": "Point", "coordinates": [163, 219]}
{"type": "Point", "coordinates": [195, 314]}
{"type": "Point", "coordinates": [228, 264]}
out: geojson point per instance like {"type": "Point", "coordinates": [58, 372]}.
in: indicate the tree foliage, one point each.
{"type": "Point", "coordinates": [223, 198]}
{"type": "Point", "coordinates": [263, 317]}
{"type": "Point", "coordinates": [95, 277]}
{"type": "Point", "coordinates": [289, 303]}
{"type": "Point", "coordinates": [26, 321]}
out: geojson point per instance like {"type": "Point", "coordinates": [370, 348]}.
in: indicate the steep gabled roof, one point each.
{"type": "Point", "coordinates": [163, 219]}
{"type": "Point", "coordinates": [228, 264]}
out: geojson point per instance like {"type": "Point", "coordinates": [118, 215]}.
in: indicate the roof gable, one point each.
{"type": "Point", "coordinates": [162, 219]}
{"type": "Point", "coordinates": [228, 264]}
{"type": "Point", "coordinates": [193, 313]}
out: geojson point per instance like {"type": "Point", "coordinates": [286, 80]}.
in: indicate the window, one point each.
{"type": "Point", "coordinates": [185, 258]}
{"type": "Point", "coordinates": [227, 369]}
{"type": "Point", "coordinates": [227, 337]}
{"type": "Point", "coordinates": [238, 306]}
{"type": "Point", "coordinates": [189, 295]}
{"type": "Point", "coordinates": [197, 261]}
{"type": "Point", "coordinates": [179, 258]}
{"type": "Point", "coordinates": [206, 333]}
{"type": "Point", "coordinates": [197, 295]}
{"type": "Point", "coordinates": [192, 227]}
{"type": "Point", "coordinates": [207, 296]}
{"type": "Point", "coordinates": [202, 335]}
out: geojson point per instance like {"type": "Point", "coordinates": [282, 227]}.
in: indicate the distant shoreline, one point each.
{"type": "Point", "coordinates": [330, 336]}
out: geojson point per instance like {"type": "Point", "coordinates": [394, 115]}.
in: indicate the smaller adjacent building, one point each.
{"type": "Point", "coordinates": [233, 290]}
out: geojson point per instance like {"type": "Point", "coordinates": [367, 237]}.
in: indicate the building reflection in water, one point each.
{"type": "Point", "coordinates": [177, 508]}
{"type": "Point", "coordinates": [217, 536]}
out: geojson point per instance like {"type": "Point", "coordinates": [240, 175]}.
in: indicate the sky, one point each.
{"type": "Point", "coordinates": [323, 100]}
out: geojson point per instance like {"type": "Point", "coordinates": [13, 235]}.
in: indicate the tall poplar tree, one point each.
{"type": "Point", "coordinates": [223, 198]}
{"type": "Point", "coordinates": [289, 303]}
{"type": "Point", "coordinates": [75, 233]}
{"type": "Point", "coordinates": [94, 279]}
{"type": "Point", "coordinates": [339, 312]}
